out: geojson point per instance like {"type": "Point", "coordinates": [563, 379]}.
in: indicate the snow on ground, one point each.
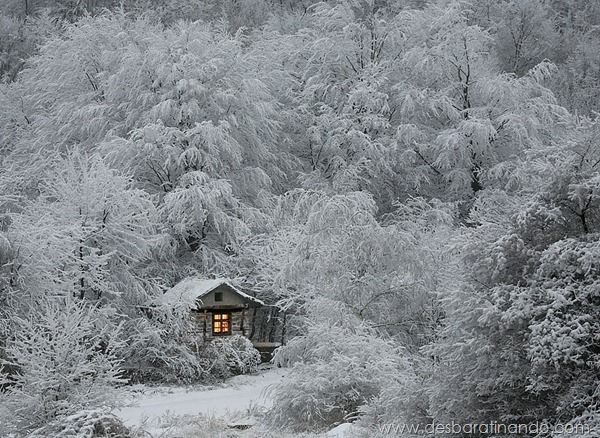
{"type": "Point", "coordinates": [240, 393]}
{"type": "Point", "coordinates": [344, 430]}
{"type": "Point", "coordinates": [166, 411]}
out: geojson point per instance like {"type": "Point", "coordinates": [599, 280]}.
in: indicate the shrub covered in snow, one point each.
{"type": "Point", "coordinates": [85, 424]}
{"type": "Point", "coordinates": [160, 350]}
{"type": "Point", "coordinates": [230, 356]}
{"type": "Point", "coordinates": [165, 349]}
{"type": "Point", "coordinates": [583, 426]}
{"type": "Point", "coordinates": [336, 370]}
{"type": "Point", "coordinates": [65, 362]}
{"type": "Point", "coordinates": [404, 400]}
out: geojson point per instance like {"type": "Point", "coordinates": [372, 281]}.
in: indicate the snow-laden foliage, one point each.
{"type": "Point", "coordinates": [322, 153]}
{"type": "Point", "coordinates": [334, 247]}
{"type": "Point", "coordinates": [336, 369]}
{"type": "Point", "coordinates": [62, 360]}
{"type": "Point", "coordinates": [228, 356]}
{"type": "Point", "coordinates": [166, 348]}
{"type": "Point", "coordinates": [185, 110]}
{"type": "Point", "coordinates": [584, 425]}
{"type": "Point", "coordinates": [462, 123]}
{"type": "Point", "coordinates": [401, 401]}
{"type": "Point", "coordinates": [349, 279]}
{"type": "Point", "coordinates": [58, 10]}
{"type": "Point", "coordinates": [576, 84]}
{"type": "Point", "coordinates": [160, 349]}
{"type": "Point", "coordinates": [524, 34]}
{"type": "Point", "coordinates": [88, 423]}
{"type": "Point", "coordinates": [19, 39]}
{"type": "Point", "coordinates": [411, 104]}
{"type": "Point", "coordinates": [11, 52]}
{"type": "Point", "coordinates": [339, 64]}
{"type": "Point", "coordinates": [521, 335]}
{"type": "Point", "coordinates": [87, 234]}
{"type": "Point", "coordinates": [565, 328]}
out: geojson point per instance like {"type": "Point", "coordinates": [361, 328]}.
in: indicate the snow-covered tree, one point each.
{"type": "Point", "coordinates": [62, 9]}
{"type": "Point", "coordinates": [63, 360]}
{"type": "Point", "coordinates": [87, 234]}
{"type": "Point", "coordinates": [460, 122]}
{"type": "Point", "coordinates": [333, 247]}
{"type": "Point", "coordinates": [576, 84]}
{"type": "Point", "coordinates": [184, 110]}
{"type": "Point", "coordinates": [525, 34]}
{"type": "Point", "coordinates": [90, 235]}
{"type": "Point", "coordinates": [339, 62]}
{"type": "Point", "coordinates": [520, 335]}
{"type": "Point", "coordinates": [563, 287]}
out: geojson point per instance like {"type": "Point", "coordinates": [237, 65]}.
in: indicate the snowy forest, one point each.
{"type": "Point", "coordinates": [414, 184]}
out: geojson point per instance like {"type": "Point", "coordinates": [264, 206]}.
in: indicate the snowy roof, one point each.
{"type": "Point", "coordinates": [191, 289]}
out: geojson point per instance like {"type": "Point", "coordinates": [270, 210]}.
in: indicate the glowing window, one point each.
{"type": "Point", "coordinates": [221, 324]}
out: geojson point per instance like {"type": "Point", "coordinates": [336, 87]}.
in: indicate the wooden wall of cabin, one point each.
{"type": "Point", "coordinates": [203, 321]}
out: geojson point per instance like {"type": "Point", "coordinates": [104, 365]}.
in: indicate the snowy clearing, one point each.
{"type": "Point", "coordinates": [241, 393]}
{"type": "Point", "coordinates": [166, 411]}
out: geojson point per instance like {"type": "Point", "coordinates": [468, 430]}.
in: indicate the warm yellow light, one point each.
{"type": "Point", "coordinates": [221, 323]}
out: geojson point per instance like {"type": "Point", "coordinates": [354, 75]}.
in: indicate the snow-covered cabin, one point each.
{"type": "Point", "coordinates": [219, 308]}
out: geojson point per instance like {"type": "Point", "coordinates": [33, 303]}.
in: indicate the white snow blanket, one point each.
{"type": "Point", "coordinates": [240, 394]}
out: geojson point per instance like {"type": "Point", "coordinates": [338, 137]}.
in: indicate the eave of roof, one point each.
{"type": "Point", "coordinates": [190, 289]}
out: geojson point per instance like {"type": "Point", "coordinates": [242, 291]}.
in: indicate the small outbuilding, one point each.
{"type": "Point", "coordinates": [218, 307]}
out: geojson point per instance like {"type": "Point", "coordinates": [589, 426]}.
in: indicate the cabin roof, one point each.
{"type": "Point", "coordinates": [191, 289]}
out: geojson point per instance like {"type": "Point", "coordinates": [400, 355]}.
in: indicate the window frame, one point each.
{"type": "Point", "coordinates": [215, 320]}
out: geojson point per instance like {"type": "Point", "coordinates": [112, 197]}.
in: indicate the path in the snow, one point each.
{"type": "Point", "coordinates": [240, 394]}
